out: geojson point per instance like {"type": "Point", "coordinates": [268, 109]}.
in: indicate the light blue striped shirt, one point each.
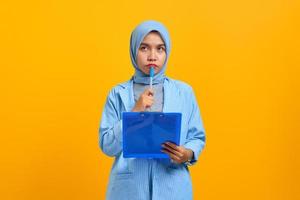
{"type": "Point", "coordinates": [150, 179]}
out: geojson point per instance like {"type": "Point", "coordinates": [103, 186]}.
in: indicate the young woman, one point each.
{"type": "Point", "coordinates": [151, 179]}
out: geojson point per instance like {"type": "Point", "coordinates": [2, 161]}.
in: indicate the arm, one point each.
{"type": "Point", "coordinates": [195, 140]}
{"type": "Point", "coordinates": [111, 128]}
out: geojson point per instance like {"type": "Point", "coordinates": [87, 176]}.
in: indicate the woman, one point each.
{"type": "Point", "coordinates": [151, 179]}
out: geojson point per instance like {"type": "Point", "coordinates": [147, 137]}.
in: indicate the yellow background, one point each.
{"type": "Point", "coordinates": [60, 58]}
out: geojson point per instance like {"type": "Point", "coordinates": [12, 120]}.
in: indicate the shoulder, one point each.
{"type": "Point", "coordinates": [181, 86]}
{"type": "Point", "coordinates": [120, 87]}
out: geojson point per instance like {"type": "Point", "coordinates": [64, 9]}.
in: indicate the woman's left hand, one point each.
{"type": "Point", "coordinates": [178, 154]}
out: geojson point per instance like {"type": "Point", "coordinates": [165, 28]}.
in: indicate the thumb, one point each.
{"type": "Point", "coordinates": [149, 92]}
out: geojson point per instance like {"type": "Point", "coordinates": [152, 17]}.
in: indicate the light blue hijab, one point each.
{"type": "Point", "coordinates": [136, 39]}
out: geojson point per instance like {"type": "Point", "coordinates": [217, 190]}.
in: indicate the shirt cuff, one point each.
{"type": "Point", "coordinates": [190, 145]}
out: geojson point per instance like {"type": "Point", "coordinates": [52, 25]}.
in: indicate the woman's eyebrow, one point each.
{"type": "Point", "coordinates": [145, 44]}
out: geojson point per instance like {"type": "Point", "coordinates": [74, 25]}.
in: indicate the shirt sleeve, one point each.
{"type": "Point", "coordinates": [196, 135]}
{"type": "Point", "coordinates": [111, 127]}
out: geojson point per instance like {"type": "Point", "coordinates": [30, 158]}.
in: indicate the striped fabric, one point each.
{"type": "Point", "coordinates": [150, 179]}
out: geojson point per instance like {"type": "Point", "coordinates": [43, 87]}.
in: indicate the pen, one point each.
{"type": "Point", "coordinates": [151, 76]}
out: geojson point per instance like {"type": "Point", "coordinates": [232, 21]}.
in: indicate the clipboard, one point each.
{"type": "Point", "coordinates": [144, 133]}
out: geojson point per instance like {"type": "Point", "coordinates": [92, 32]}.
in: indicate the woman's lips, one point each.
{"type": "Point", "coordinates": [151, 65]}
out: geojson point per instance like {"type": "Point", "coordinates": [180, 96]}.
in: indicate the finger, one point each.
{"type": "Point", "coordinates": [173, 146]}
{"type": "Point", "coordinates": [178, 154]}
{"type": "Point", "coordinates": [173, 159]}
{"type": "Point", "coordinates": [151, 98]}
{"type": "Point", "coordinates": [149, 92]}
{"type": "Point", "coordinates": [148, 95]}
{"type": "Point", "coordinates": [171, 155]}
{"type": "Point", "coordinates": [148, 103]}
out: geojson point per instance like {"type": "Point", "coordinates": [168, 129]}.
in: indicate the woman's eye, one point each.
{"type": "Point", "coordinates": [161, 49]}
{"type": "Point", "coordinates": [143, 48]}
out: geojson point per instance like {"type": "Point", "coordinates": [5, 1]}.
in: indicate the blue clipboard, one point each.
{"type": "Point", "coordinates": [144, 132]}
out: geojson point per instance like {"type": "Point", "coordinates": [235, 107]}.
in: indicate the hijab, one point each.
{"type": "Point", "coordinates": [137, 36]}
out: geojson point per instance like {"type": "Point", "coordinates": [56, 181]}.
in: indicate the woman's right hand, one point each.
{"type": "Point", "coordinates": [145, 101]}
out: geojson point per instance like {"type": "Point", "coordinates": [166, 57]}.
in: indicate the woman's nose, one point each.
{"type": "Point", "coordinates": [152, 56]}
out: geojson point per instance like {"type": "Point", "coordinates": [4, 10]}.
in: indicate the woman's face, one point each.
{"type": "Point", "coordinates": [152, 52]}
